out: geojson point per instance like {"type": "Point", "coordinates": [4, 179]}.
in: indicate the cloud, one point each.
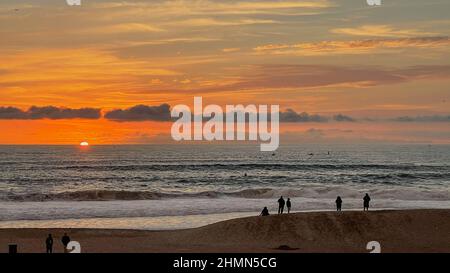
{"type": "Point", "coordinates": [162, 113]}
{"type": "Point", "coordinates": [380, 31]}
{"type": "Point", "coordinates": [435, 118]}
{"type": "Point", "coordinates": [208, 7]}
{"type": "Point", "coordinates": [49, 112]}
{"type": "Point", "coordinates": [12, 113]}
{"type": "Point", "coordinates": [351, 47]}
{"type": "Point", "coordinates": [231, 49]}
{"type": "Point", "coordinates": [344, 118]}
{"type": "Point", "coordinates": [208, 22]}
{"type": "Point", "coordinates": [267, 77]}
{"type": "Point", "coordinates": [69, 69]}
{"type": "Point", "coordinates": [123, 28]}
{"type": "Point", "coordinates": [291, 116]}
{"type": "Point", "coordinates": [313, 132]}
{"type": "Point", "coordinates": [141, 113]}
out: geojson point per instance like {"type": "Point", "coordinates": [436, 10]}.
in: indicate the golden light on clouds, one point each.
{"type": "Point", "coordinates": [315, 56]}
{"type": "Point", "coordinates": [353, 46]}
{"type": "Point", "coordinates": [381, 31]}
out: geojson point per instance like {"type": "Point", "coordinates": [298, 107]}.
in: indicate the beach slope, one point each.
{"type": "Point", "coordinates": [396, 231]}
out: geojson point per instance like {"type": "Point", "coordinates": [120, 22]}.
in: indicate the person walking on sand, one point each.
{"type": "Point", "coordinates": [288, 204]}
{"type": "Point", "coordinates": [65, 240]}
{"type": "Point", "coordinates": [338, 203]}
{"type": "Point", "coordinates": [366, 202]}
{"type": "Point", "coordinates": [264, 212]}
{"type": "Point", "coordinates": [281, 205]}
{"type": "Point", "coordinates": [49, 244]}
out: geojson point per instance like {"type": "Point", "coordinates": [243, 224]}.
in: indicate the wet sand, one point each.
{"type": "Point", "coordinates": [348, 231]}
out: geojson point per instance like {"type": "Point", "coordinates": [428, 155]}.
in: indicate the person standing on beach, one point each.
{"type": "Point", "coordinates": [49, 244]}
{"type": "Point", "coordinates": [288, 204]}
{"type": "Point", "coordinates": [65, 240]}
{"type": "Point", "coordinates": [366, 200]}
{"type": "Point", "coordinates": [338, 203]}
{"type": "Point", "coordinates": [281, 205]}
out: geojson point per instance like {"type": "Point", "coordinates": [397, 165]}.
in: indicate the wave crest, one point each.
{"type": "Point", "coordinates": [255, 193]}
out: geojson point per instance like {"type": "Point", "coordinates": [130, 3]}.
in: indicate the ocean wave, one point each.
{"type": "Point", "coordinates": [400, 193]}
{"type": "Point", "coordinates": [109, 195]}
{"type": "Point", "coordinates": [247, 166]}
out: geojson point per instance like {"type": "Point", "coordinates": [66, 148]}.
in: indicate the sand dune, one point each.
{"type": "Point", "coordinates": [397, 231]}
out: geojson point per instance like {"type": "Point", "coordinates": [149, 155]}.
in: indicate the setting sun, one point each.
{"type": "Point", "coordinates": [84, 143]}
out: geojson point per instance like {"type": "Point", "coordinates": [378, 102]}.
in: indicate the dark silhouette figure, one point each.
{"type": "Point", "coordinates": [12, 249]}
{"type": "Point", "coordinates": [288, 204]}
{"type": "Point", "coordinates": [264, 212]}
{"type": "Point", "coordinates": [281, 205]}
{"type": "Point", "coordinates": [366, 202]}
{"type": "Point", "coordinates": [338, 203]}
{"type": "Point", "coordinates": [49, 244]}
{"type": "Point", "coordinates": [65, 240]}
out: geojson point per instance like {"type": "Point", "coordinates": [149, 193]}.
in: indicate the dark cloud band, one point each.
{"type": "Point", "coordinates": [161, 113]}
{"type": "Point", "coordinates": [49, 112]}
{"type": "Point", "coordinates": [434, 118]}
{"type": "Point", "coordinates": [141, 113]}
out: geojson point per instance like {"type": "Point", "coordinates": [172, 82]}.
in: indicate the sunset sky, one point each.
{"type": "Point", "coordinates": [361, 73]}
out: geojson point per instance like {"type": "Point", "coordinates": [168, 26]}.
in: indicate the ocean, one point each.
{"type": "Point", "coordinates": [183, 186]}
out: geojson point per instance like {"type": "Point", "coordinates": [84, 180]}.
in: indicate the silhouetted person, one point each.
{"type": "Point", "coordinates": [49, 244]}
{"type": "Point", "coordinates": [338, 203]}
{"type": "Point", "coordinates": [288, 204]}
{"type": "Point", "coordinates": [65, 240]}
{"type": "Point", "coordinates": [264, 212]}
{"type": "Point", "coordinates": [281, 205]}
{"type": "Point", "coordinates": [366, 202]}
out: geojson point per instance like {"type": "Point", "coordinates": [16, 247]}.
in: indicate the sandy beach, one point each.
{"type": "Point", "coordinates": [396, 230]}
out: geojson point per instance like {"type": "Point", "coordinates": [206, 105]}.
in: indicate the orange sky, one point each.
{"type": "Point", "coordinates": [320, 57]}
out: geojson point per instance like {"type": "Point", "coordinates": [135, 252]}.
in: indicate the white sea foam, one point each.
{"type": "Point", "coordinates": [312, 191]}
{"type": "Point", "coordinates": [181, 207]}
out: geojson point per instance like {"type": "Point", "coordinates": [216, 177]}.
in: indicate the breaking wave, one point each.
{"type": "Point", "coordinates": [399, 193]}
